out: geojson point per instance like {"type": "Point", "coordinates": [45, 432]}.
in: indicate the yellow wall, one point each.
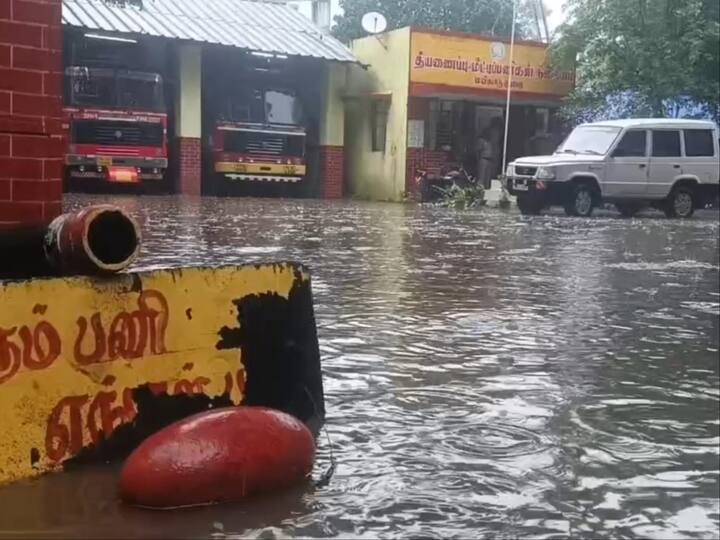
{"type": "Point", "coordinates": [378, 175]}
{"type": "Point", "coordinates": [332, 118]}
{"type": "Point", "coordinates": [189, 98]}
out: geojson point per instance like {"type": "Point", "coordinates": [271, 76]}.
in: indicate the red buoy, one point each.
{"type": "Point", "coordinates": [218, 456]}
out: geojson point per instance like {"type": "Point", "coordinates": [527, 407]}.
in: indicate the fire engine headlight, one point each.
{"type": "Point", "coordinates": [545, 173]}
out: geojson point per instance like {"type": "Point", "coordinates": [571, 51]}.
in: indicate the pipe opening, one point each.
{"type": "Point", "coordinates": [112, 238]}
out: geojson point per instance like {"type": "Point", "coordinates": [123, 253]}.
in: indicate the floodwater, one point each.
{"type": "Point", "coordinates": [486, 375]}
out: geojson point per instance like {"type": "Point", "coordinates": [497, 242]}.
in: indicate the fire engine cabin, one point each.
{"type": "Point", "coordinates": [115, 115]}
{"type": "Point", "coordinates": [260, 118]}
{"type": "Point", "coordinates": [259, 137]}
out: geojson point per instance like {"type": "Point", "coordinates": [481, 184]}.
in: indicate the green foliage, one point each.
{"type": "Point", "coordinates": [477, 16]}
{"type": "Point", "coordinates": [657, 55]}
{"type": "Point", "coordinates": [463, 198]}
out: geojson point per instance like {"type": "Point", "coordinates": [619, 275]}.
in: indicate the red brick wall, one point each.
{"type": "Point", "coordinates": [418, 109]}
{"type": "Point", "coordinates": [332, 171]}
{"type": "Point", "coordinates": [421, 158]}
{"type": "Point", "coordinates": [189, 181]}
{"type": "Point", "coordinates": [31, 136]}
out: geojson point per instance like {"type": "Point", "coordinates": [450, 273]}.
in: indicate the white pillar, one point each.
{"type": "Point", "coordinates": [188, 120]}
{"type": "Point", "coordinates": [188, 108]}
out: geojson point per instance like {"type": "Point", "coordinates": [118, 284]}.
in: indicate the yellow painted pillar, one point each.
{"type": "Point", "coordinates": [332, 131]}
{"type": "Point", "coordinates": [188, 116]}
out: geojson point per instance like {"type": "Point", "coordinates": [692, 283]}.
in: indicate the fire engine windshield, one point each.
{"type": "Point", "coordinates": [282, 108]}
{"type": "Point", "coordinates": [107, 88]}
{"type": "Point", "coordinates": [264, 106]}
{"type": "Point", "coordinates": [246, 105]}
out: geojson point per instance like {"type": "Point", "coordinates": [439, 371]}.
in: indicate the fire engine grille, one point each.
{"type": "Point", "coordinates": [264, 144]}
{"type": "Point", "coordinates": [113, 133]}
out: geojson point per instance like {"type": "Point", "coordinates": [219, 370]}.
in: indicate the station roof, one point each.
{"type": "Point", "coordinates": [262, 26]}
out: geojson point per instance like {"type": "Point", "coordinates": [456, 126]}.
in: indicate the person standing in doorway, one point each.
{"type": "Point", "coordinates": [497, 134]}
{"type": "Point", "coordinates": [484, 154]}
{"type": "Point", "coordinates": [488, 152]}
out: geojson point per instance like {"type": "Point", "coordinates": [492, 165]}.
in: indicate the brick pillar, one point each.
{"type": "Point", "coordinates": [332, 132]}
{"type": "Point", "coordinates": [189, 166]}
{"type": "Point", "coordinates": [431, 161]}
{"type": "Point", "coordinates": [421, 158]}
{"type": "Point", "coordinates": [332, 171]}
{"type": "Point", "coordinates": [31, 137]}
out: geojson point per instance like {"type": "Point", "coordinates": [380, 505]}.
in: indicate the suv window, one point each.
{"type": "Point", "coordinates": [633, 144]}
{"type": "Point", "coordinates": [699, 143]}
{"type": "Point", "coordinates": [666, 143]}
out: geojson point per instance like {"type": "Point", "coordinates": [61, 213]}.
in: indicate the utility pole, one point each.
{"type": "Point", "coordinates": [543, 35]}
{"type": "Point", "coordinates": [541, 16]}
{"type": "Point", "coordinates": [536, 10]}
{"type": "Point", "coordinates": [509, 89]}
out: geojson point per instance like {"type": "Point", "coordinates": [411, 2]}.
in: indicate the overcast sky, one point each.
{"type": "Point", "coordinates": [555, 13]}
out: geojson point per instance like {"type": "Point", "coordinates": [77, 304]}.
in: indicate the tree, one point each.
{"type": "Point", "coordinates": [642, 58]}
{"type": "Point", "coordinates": [492, 17]}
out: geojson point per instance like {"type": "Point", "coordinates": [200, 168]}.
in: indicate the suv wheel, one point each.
{"type": "Point", "coordinates": [581, 201]}
{"type": "Point", "coordinates": [627, 210]}
{"type": "Point", "coordinates": [528, 206]}
{"type": "Point", "coordinates": [680, 203]}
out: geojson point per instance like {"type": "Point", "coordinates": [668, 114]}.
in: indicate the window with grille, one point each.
{"type": "Point", "coordinates": [441, 126]}
{"type": "Point", "coordinates": [380, 111]}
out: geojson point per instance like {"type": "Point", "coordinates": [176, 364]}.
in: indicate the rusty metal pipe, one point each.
{"type": "Point", "coordinates": [97, 240]}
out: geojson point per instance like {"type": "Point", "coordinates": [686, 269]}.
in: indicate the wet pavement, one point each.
{"type": "Point", "coordinates": [486, 375]}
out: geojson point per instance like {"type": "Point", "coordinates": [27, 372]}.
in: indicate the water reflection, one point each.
{"type": "Point", "coordinates": [486, 374]}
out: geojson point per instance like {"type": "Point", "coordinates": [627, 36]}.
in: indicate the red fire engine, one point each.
{"type": "Point", "coordinates": [259, 137]}
{"type": "Point", "coordinates": [117, 126]}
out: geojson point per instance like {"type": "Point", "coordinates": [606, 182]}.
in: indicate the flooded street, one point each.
{"type": "Point", "coordinates": [485, 375]}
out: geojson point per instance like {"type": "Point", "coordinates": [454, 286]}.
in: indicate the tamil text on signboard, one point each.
{"type": "Point", "coordinates": [451, 60]}
{"type": "Point", "coordinates": [75, 353]}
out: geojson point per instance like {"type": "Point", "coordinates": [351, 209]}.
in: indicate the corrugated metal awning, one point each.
{"type": "Point", "coordinates": [252, 25]}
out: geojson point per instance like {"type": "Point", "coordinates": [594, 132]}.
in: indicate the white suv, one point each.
{"type": "Point", "coordinates": [673, 165]}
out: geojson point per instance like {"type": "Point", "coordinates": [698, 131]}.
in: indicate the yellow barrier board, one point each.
{"type": "Point", "coordinates": [480, 63]}
{"type": "Point", "coordinates": [260, 168]}
{"type": "Point", "coordinates": [75, 352]}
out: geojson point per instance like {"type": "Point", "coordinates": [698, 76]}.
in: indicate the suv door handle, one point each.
{"type": "Point", "coordinates": [642, 166]}
{"type": "Point", "coordinates": [676, 166]}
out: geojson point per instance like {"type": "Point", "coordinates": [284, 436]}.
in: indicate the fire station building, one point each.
{"type": "Point", "coordinates": [211, 97]}
{"type": "Point", "coordinates": [426, 97]}
{"type": "Point", "coordinates": [249, 97]}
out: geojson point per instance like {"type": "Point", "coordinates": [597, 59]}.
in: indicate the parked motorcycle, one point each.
{"type": "Point", "coordinates": [433, 187]}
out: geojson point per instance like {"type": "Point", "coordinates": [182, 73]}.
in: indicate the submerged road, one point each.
{"type": "Point", "coordinates": [485, 374]}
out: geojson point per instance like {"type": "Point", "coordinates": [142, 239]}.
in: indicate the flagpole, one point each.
{"type": "Point", "coordinates": [509, 88]}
